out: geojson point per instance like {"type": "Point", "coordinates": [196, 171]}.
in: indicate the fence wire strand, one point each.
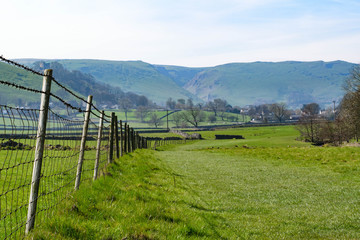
{"type": "Point", "coordinates": [18, 134]}
{"type": "Point", "coordinates": [64, 129]}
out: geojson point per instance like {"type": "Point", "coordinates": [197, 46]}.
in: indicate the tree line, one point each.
{"type": "Point", "coordinates": [344, 124]}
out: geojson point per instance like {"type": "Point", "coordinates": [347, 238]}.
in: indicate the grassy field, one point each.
{"type": "Point", "coordinates": [267, 186]}
{"type": "Point", "coordinates": [135, 122]}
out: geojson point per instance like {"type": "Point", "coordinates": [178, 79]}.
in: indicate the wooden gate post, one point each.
{"type": "Point", "coordinates": [39, 150]}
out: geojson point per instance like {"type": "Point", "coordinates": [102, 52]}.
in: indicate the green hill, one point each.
{"type": "Point", "coordinates": [135, 76]}
{"type": "Point", "coordinates": [295, 83]}
{"type": "Point", "coordinates": [264, 82]}
{"type": "Point", "coordinates": [240, 84]}
{"type": "Point", "coordinates": [16, 97]}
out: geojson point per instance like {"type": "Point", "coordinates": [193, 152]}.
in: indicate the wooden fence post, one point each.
{"type": "Point", "coordinates": [167, 119]}
{"type": "Point", "coordinates": [98, 146]}
{"type": "Point", "coordinates": [128, 139]}
{"type": "Point", "coordinates": [132, 139]}
{"type": "Point", "coordinates": [83, 142]}
{"type": "Point", "coordinates": [125, 138]}
{"type": "Point", "coordinates": [39, 150]}
{"type": "Point", "coordinates": [111, 138]}
{"type": "Point", "coordinates": [116, 126]}
{"type": "Point", "coordinates": [121, 140]}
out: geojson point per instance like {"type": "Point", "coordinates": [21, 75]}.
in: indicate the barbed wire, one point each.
{"type": "Point", "coordinates": [20, 66]}
{"type": "Point", "coordinates": [20, 87]}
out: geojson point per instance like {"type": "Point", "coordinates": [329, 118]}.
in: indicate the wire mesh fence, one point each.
{"type": "Point", "coordinates": [18, 133]}
{"type": "Point", "coordinates": [64, 149]}
{"type": "Point", "coordinates": [18, 139]}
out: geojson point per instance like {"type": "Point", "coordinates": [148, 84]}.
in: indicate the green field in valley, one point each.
{"type": "Point", "coordinates": [266, 186]}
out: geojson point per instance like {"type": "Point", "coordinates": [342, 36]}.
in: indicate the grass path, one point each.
{"type": "Point", "coordinates": [267, 193]}
{"type": "Point", "coordinates": [268, 186]}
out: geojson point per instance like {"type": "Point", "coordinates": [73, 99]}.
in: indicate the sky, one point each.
{"type": "Point", "coordinates": [192, 33]}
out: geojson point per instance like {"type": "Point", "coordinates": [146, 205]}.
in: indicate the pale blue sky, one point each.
{"type": "Point", "coordinates": [182, 32]}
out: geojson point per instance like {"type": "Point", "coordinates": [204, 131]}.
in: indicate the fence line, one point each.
{"type": "Point", "coordinates": [44, 153]}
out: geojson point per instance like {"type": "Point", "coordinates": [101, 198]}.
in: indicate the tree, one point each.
{"type": "Point", "coordinates": [350, 105]}
{"type": "Point", "coordinates": [350, 112]}
{"type": "Point", "coordinates": [311, 109]}
{"type": "Point", "coordinates": [279, 110]}
{"type": "Point", "coordinates": [193, 116]}
{"type": "Point", "coordinates": [309, 128]}
{"type": "Point", "coordinates": [223, 106]}
{"type": "Point", "coordinates": [170, 104]}
{"type": "Point", "coordinates": [345, 126]}
{"type": "Point", "coordinates": [217, 105]}
{"type": "Point", "coordinates": [352, 83]}
{"type": "Point", "coordinates": [180, 103]}
{"type": "Point", "coordinates": [142, 112]}
{"type": "Point", "coordinates": [142, 101]}
{"type": "Point", "coordinates": [125, 105]}
{"type": "Point", "coordinates": [155, 120]}
{"type": "Point", "coordinates": [177, 119]}
{"type": "Point", "coordinates": [189, 103]}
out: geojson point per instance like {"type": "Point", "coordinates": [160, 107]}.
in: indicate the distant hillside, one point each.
{"type": "Point", "coordinates": [239, 83]}
{"type": "Point", "coordinates": [81, 83]}
{"type": "Point", "coordinates": [261, 82]}
{"type": "Point", "coordinates": [17, 97]}
{"type": "Point", "coordinates": [135, 76]}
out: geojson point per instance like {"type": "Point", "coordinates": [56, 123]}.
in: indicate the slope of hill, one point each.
{"type": "Point", "coordinates": [240, 84]}
{"type": "Point", "coordinates": [135, 76]}
{"type": "Point", "coordinates": [17, 97]}
{"type": "Point", "coordinates": [262, 82]}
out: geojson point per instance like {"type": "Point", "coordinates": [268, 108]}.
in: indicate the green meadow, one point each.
{"type": "Point", "coordinates": [229, 118]}
{"type": "Point", "coordinates": [266, 186]}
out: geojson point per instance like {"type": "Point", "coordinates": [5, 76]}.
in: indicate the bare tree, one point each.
{"type": "Point", "coordinates": [346, 124]}
{"type": "Point", "coordinates": [142, 112]}
{"type": "Point", "coordinates": [125, 105]}
{"type": "Point", "coordinates": [170, 104]}
{"type": "Point", "coordinates": [218, 105]}
{"type": "Point", "coordinates": [155, 120]}
{"type": "Point", "coordinates": [193, 116]}
{"type": "Point", "coordinates": [350, 105]}
{"type": "Point", "coordinates": [279, 110]}
{"type": "Point", "coordinates": [309, 128]}
{"type": "Point", "coordinates": [352, 83]}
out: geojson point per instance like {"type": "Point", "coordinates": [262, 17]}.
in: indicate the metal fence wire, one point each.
{"type": "Point", "coordinates": [76, 145]}
{"type": "Point", "coordinates": [18, 135]}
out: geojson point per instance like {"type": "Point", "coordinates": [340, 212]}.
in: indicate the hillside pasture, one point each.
{"type": "Point", "coordinates": [266, 186]}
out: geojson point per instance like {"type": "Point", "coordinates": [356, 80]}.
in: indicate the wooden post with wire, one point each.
{"type": "Point", "coordinates": [167, 120]}
{"type": "Point", "coordinates": [121, 139]}
{"type": "Point", "coordinates": [128, 139]}
{"type": "Point", "coordinates": [116, 133]}
{"type": "Point", "coordinates": [98, 145]}
{"type": "Point", "coordinates": [125, 138]}
{"type": "Point", "coordinates": [111, 138]}
{"type": "Point", "coordinates": [83, 142]}
{"type": "Point", "coordinates": [39, 150]}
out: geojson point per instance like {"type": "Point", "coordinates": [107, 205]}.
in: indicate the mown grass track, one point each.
{"type": "Point", "coordinates": [268, 186]}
